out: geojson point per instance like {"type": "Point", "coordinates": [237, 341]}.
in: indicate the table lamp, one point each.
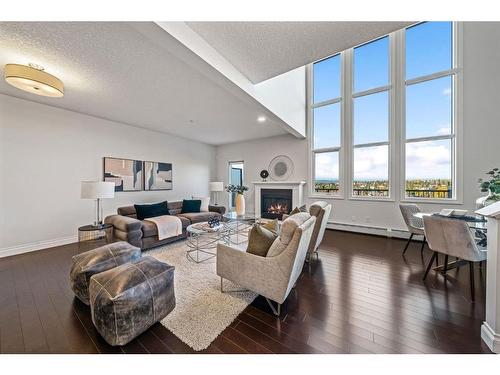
{"type": "Point", "coordinates": [97, 190]}
{"type": "Point", "coordinates": [216, 187]}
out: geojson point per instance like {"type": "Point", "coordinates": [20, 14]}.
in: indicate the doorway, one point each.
{"type": "Point", "coordinates": [235, 178]}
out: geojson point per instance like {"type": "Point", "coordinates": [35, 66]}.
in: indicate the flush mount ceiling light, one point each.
{"type": "Point", "coordinates": [33, 79]}
{"type": "Point", "coordinates": [261, 119]}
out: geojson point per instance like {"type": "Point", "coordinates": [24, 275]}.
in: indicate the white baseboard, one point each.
{"type": "Point", "coordinates": [378, 231]}
{"type": "Point", "coordinates": [34, 246]}
{"type": "Point", "coordinates": [491, 338]}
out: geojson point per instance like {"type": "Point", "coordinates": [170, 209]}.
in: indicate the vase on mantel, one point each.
{"type": "Point", "coordinates": [240, 204]}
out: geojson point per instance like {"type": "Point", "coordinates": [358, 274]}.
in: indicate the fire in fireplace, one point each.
{"type": "Point", "coordinates": [275, 203]}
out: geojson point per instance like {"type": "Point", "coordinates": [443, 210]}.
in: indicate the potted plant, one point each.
{"type": "Point", "coordinates": [240, 198]}
{"type": "Point", "coordinates": [490, 185]}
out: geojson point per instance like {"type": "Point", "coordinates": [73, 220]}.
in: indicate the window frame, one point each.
{"type": "Point", "coordinates": [397, 120]}
{"type": "Point", "coordinates": [310, 129]}
{"type": "Point", "coordinates": [389, 88]}
{"type": "Point", "coordinates": [456, 124]}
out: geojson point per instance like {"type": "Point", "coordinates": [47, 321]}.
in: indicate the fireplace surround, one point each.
{"type": "Point", "coordinates": [290, 193]}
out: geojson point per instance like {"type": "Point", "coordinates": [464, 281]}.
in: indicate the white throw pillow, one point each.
{"type": "Point", "coordinates": [204, 203]}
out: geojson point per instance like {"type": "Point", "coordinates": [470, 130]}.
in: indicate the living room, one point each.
{"type": "Point", "coordinates": [249, 185]}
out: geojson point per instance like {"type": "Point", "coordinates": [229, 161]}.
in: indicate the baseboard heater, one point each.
{"type": "Point", "coordinates": [365, 229]}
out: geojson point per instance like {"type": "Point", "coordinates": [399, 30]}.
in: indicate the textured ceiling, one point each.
{"type": "Point", "coordinates": [262, 50]}
{"type": "Point", "coordinates": [134, 73]}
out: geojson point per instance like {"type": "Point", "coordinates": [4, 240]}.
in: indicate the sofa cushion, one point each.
{"type": "Point", "coordinates": [196, 217]}
{"type": "Point", "coordinates": [260, 240]}
{"type": "Point", "coordinates": [149, 228]}
{"type": "Point", "coordinates": [191, 205]}
{"type": "Point", "coordinates": [151, 210]}
{"type": "Point", "coordinates": [127, 211]}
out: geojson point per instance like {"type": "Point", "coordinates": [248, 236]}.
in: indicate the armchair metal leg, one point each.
{"type": "Point", "coordinates": [277, 311]}
{"type": "Point", "coordinates": [231, 291]}
{"type": "Point", "coordinates": [407, 244]}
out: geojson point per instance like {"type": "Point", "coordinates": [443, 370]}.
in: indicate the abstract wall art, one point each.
{"type": "Point", "coordinates": [157, 176]}
{"type": "Point", "coordinates": [125, 173]}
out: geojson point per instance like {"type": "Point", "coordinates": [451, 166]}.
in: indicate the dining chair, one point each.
{"type": "Point", "coordinates": [452, 237]}
{"type": "Point", "coordinates": [414, 224]}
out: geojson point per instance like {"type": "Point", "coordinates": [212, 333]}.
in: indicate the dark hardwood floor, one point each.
{"type": "Point", "coordinates": [361, 296]}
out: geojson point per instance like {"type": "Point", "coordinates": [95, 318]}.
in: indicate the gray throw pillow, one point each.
{"type": "Point", "coordinates": [260, 240]}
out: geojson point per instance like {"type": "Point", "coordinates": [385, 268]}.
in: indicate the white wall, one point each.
{"type": "Point", "coordinates": [286, 95]}
{"type": "Point", "coordinates": [46, 152]}
{"type": "Point", "coordinates": [481, 136]}
{"type": "Point", "coordinates": [282, 95]}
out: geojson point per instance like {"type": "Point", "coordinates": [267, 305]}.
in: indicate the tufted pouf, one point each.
{"type": "Point", "coordinates": [127, 300]}
{"type": "Point", "coordinates": [103, 258]}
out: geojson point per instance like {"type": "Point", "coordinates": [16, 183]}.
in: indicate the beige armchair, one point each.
{"type": "Point", "coordinates": [321, 210]}
{"type": "Point", "coordinates": [275, 275]}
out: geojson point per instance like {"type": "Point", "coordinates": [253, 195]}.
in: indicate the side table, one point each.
{"type": "Point", "coordinates": [96, 233]}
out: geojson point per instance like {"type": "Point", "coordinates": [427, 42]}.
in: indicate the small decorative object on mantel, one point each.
{"type": "Point", "coordinates": [490, 185]}
{"type": "Point", "coordinates": [240, 198]}
{"type": "Point", "coordinates": [281, 168]}
{"type": "Point", "coordinates": [213, 221]}
{"type": "Point", "coordinates": [264, 174]}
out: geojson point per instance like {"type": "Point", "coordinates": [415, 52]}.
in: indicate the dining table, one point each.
{"type": "Point", "coordinates": [477, 225]}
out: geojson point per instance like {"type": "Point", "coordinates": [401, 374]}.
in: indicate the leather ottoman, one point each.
{"type": "Point", "coordinates": [103, 258]}
{"type": "Point", "coordinates": [126, 300]}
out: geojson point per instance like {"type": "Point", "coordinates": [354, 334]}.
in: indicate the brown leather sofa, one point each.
{"type": "Point", "coordinates": [144, 234]}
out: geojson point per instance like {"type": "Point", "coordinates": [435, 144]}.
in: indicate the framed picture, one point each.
{"type": "Point", "coordinates": [127, 174]}
{"type": "Point", "coordinates": [157, 176]}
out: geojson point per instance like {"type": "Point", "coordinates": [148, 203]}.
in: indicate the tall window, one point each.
{"type": "Point", "coordinates": [370, 93]}
{"type": "Point", "coordinates": [326, 125]}
{"type": "Point", "coordinates": [429, 130]}
{"type": "Point", "coordinates": [393, 104]}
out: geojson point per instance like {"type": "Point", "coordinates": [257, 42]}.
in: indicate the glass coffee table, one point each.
{"type": "Point", "coordinates": [239, 226]}
{"type": "Point", "coordinates": [202, 240]}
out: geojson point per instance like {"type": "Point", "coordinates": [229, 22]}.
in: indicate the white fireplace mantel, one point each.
{"type": "Point", "coordinates": [297, 188]}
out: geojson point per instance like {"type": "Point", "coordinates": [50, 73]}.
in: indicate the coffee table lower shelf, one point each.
{"type": "Point", "coordinates": [202, 244]}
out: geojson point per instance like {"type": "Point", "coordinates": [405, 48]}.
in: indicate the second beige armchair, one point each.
{"type": "Point", "coordinates": [275, 275]}
{"type": "Point", "coordinates": [321, 210]}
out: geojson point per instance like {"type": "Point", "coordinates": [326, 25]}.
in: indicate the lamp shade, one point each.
{"type": "Point", "coordinates": [34, 80]}
{"type": "Point", "coordinates": [216, 186]}
{"type": "Point", "coordinates": [97, 190]}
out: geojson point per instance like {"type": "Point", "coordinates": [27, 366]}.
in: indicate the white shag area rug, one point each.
{"type": "Point", "coordinates": [202, 312]}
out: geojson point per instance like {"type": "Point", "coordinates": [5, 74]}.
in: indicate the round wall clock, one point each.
{"type": "Point", "coordinates": [281, 168]}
